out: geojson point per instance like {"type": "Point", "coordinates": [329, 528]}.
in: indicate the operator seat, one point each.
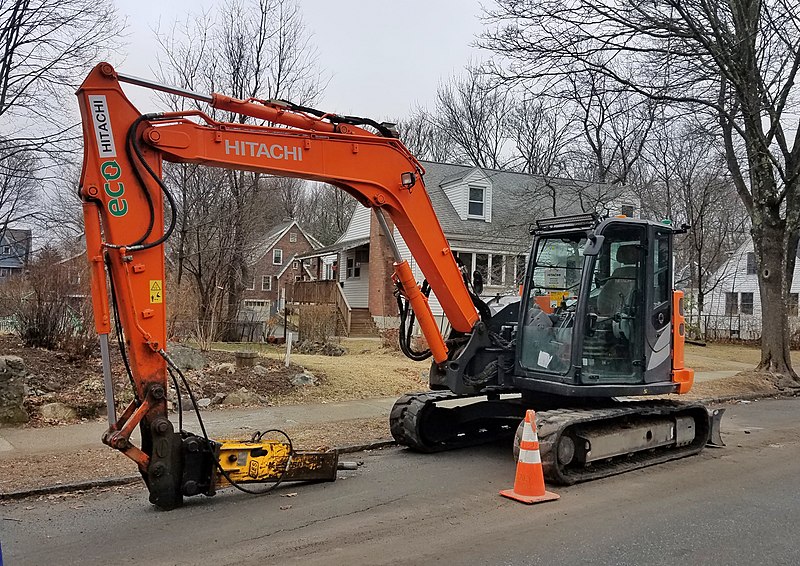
{"type": "Point", "coordinates": [617, 289]}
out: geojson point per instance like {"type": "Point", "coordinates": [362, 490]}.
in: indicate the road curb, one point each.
{"type": "Point", "coordinates": [68, 487]}
{"type": "Point", "coordinates": [751, 396]}
{"type": "Point", "coordinates": [349, 449]}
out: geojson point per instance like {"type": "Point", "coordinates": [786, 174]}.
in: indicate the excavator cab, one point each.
{"type": "Point", "coordinates": [597, 307]}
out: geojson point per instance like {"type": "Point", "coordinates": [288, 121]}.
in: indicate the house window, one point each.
{"type": "Point", "coordinates": [298, 278]}
{"type": "Point", "coordinates": [6, 250]}
{"type": "Point", "coordinates": [252, 285]}
{"type": "Point", "coordinates": [295, 265]}
{"type": "Point", "coordinates": [751, 263]}
{"type": "Point", "coordinates": [628, 210]}
{"type": "Point", "coordinates": [793, 304]}
{"type": "Point", "coordinates": [746, 303]}
{"type": "Point", "coordinates": [277, 256]}
{"type": "Point", "coordinates": [256, 303]}
{"type": "Point", "coordinates": [353, 268]}
{"type": "Point", "coordinates": [482, 266]}
{"type": "Point", "coordinates": [496, 271]}
{"type": "Point", "coordinates": [466, 260]}
{"type": "Point", "coordinates": [293, 237]}
{"type": "Point", "coordinates": [266, 282]}
{"type": "Point", "coordinates": [731, 303]}
{"type": "Point", "coordinates": [476, 195]}
{"type": "Point", "coordinates": [5, 271]}
{"type": "Point", "coordinates": [519, 279]}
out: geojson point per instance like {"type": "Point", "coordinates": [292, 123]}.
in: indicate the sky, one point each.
{"type": "Point", "coordinates": [382, 56]}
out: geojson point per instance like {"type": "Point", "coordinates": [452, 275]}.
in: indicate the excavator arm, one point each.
{"type": "Point", "coordinates": [123, 202]}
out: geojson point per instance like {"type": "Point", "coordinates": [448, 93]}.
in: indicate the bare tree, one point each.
{"type": "Point", "coordinates": [47, 47]}
{"type": "Point", "coordinates": [688, 183]}
{"type": "Point", "coordinates": [332, 209]}
{"type": "Point", "coordinates": [736, 61]}
{"type": "Point", "coordinates": [542, 136]}
{"type": "Point", "coordinates": [471, 117]}
{"type": "Point", "coordinates": [422, 135]}
{"type": "Point", "coordinates": [247, 49]}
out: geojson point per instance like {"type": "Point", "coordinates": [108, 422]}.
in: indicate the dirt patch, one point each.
{"type": "Point", "coordinates": [78, 382]}
{"type": "Point", "coordinates": [746, 382]}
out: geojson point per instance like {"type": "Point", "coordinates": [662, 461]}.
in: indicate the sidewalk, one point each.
{"type": "Point", "coordinates": [224, 423]}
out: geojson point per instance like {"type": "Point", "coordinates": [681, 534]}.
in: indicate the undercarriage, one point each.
{"type": "Point", "coordinates": [577, 443]}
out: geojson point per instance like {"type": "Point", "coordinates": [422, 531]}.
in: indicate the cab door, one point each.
{"type": "Point", "coordinates": [658, 326]}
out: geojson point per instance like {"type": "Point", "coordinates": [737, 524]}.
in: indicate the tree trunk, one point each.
{"type": "Point", "coordinates": [775, 266]}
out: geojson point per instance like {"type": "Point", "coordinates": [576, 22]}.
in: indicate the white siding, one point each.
{"type": "Point", "coordinates": [355, 289]}
{"type": "Point", "coordinates": [458, 194]}
{"type": "Point", "coordinates": [733, 278]}
{"type": "Point", "coordinates": [359, 225]}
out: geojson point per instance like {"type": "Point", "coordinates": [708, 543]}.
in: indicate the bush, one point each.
{"type": "Point", "coordinates": [390, 339]}
{"type": "Point", "coordinates": [47, 308]}
{"type": "Point", "coordinates": [317, 323]}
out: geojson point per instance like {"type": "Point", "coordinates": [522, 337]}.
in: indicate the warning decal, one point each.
{"type": "Point", "coordinates": [156, 291]}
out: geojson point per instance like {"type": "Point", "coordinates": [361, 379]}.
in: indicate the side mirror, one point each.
{"type": "Point", "coordinates": [594, 245]}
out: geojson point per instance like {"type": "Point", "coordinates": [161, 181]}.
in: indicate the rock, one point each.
{"type": "Point", "coordinates": [323, 348]}
{"type": "Point", "coordinates": [243, 397]}
{"type": "Point", "coordinates": [204, 402]}
{"type": "Point", "coordinates": [186, 357]}
{"type": "Point", "coordinates": [226, 367]}
{"type": "Point", "coordinates": [260, 371]}
{"type": "Point", "coordinates": [217, 398]}
{"type": "Point", "coordinates": [12, 390]}
{"type": "Point", "coordinates": [57, 412]}
{"type": "Point", "coordinates": [304, 378]}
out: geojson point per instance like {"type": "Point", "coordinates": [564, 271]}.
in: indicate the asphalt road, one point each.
{"type": "Point", "coordinates": [736, 505]}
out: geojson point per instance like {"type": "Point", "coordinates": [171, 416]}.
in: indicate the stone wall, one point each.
{"type": "Point", "coordinates": [12, 390]}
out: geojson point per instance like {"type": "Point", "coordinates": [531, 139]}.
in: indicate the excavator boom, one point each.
{"type": "Point", "coordinates": [123, 193]}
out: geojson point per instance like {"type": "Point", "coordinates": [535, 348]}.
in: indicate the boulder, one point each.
{"type": "Point", "coordinates": [303, 379]}
{"type": "Point", "coordinates": [12, 390]}
{"type": "Point", "coordinates": [186, 357]}
{"type": "Point", "coordinates": [243, 397]}
{"type": "Point", "coordinates": [57, 412]}
{"type": "Point", "coordinates": [260, 371]}
{"type": "Point", "coordinates": [204, 402]}
{"type": "Point", "coordinates": [217, 398]}
{"type": "Point", "coordinates": [226, 367]}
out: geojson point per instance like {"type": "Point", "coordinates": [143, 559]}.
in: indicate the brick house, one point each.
{"type": "Point", "coordinates": [274, 264]}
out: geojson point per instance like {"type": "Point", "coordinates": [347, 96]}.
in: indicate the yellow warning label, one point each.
{"type": "Point", "coordinates": [156, 291]}
{"type": "Point", "coordinates": [556, 298]}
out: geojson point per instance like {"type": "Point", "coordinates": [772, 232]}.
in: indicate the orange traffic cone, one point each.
{"type": "Point", "coordinates": [529, 482]}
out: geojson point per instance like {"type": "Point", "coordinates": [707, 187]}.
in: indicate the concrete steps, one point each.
{"type": "Point", "coordinates": [361, 324]}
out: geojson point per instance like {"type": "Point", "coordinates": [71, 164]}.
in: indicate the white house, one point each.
{"type": "Point", "coordinates": [734, 306]}
{"type": "Point", "coordinates": [485, 215]}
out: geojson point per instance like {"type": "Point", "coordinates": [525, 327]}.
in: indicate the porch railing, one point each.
{"type": "Point", "coordinates": [322, 293]}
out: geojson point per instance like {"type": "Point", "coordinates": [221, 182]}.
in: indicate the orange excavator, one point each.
{"type": "Point", "coordinates": [597, 319]}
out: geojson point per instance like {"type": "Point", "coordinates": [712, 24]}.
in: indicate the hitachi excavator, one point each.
{"type": "Point", "coordinates": [597, 320]}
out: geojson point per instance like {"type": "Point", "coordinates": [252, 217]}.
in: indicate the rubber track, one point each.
{"type": "Point", "coordinates": [407, 419]}
{"type": "Point", "coordinates": [551, 425]}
